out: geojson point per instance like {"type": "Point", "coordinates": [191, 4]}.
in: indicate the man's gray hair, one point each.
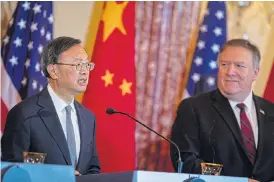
{"type": "Point", "coordinates": [247, 45]}
{"type": "Point", "coordinates": [53, 50]}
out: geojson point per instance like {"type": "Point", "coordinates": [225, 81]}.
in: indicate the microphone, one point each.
{"type": "Point", "coordinates": [180, 163]}
{"type": "Point", "coordinates": [110, 111]}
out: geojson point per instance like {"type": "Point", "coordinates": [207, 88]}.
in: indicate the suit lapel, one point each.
{"type": "Point", "coordinates": [50, 118]}
{"type": "Point", "coordinates": [82, 131]}
{"type": "Point", "coordinates": [261, 122]}
{"type": "Point", "coordinates": [223, 107]}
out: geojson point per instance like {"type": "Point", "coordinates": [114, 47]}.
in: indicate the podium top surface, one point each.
{"type": "Point", "coordinates": [151, 176]}
{"type": "Point", "coordinates": [11, 172]}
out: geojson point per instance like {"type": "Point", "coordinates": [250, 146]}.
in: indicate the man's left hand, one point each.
{"type": "Point", "coordinates": [77, 173]}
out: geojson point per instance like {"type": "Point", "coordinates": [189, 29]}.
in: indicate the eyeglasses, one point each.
{"type": "Point", "coordinates": [80, 66]}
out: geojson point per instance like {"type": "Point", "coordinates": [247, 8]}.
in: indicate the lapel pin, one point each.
{"type": "Point", "coordinates": [262, 111]}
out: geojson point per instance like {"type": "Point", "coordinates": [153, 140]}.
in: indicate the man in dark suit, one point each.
{"type": "Point", "coordinates": [229, 126]}
{"type": "Point", "coordinates": [52, 122]}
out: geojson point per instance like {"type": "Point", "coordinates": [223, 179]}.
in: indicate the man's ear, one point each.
{"type": "Point", "coordinates": [256, 73]}
{"type": "Point", "coordinates": [52, 71]}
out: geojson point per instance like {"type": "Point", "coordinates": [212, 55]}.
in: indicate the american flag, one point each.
{"type": "Point", "coordinates": [212, 36]}
{"type": "Point", "coordinates": [30, 29]}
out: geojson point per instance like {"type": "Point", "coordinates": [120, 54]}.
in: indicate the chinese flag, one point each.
{"type": "Point", "coordinates": [112, 84]}
{"type": "Point", "coordinates": [269, 90]}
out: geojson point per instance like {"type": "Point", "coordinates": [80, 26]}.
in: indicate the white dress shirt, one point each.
{"type": "Point", "coordinates": [60, 105]}
{"type": "Point", "coordinates": [250, 110]}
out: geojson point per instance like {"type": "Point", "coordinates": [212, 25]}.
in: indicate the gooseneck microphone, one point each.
{"type": "Point", "coordinates": [180, 163]}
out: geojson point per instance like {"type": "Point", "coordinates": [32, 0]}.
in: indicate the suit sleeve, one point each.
{"type": "Point", "coordinates": [16, 136]}
{"type": "Point", "coordinates": [185, 133]}
{"type": "Point", "coordinates": [94, 165]}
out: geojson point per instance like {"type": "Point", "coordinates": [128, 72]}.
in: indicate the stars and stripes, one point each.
{"type": "Point", "coordinates": [30, 29]}
{"type": "Point", "coordinates": [212, 36]}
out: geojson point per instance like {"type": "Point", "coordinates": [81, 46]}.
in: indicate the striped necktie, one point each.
{"type": "Point", "coordinates": [247, 133]}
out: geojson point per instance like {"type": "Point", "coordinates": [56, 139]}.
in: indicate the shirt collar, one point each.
{"type": "Point", "coordinates": [58, 102]}
{"type": "Point", "coordinates": [248, 101]}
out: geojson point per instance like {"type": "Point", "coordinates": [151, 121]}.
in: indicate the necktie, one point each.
{"type": "Point", "coordinates": [70, 136]}
{"type": "Point", "coordinates": [247, 133]}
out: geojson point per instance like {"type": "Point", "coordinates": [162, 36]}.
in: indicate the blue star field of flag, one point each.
{"type": "Point", "coordinates": [212, 36]}
{"type": "Point", "coordinates": [30, 29]}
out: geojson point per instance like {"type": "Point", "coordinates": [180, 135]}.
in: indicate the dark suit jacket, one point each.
{"type": "Point", "coordinates": [33, 125]}
{"type": "Point", "coordinates": [206, 129]}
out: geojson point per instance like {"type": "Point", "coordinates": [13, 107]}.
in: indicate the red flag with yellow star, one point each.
{"type": "Point", "coordinates": [112, 84]}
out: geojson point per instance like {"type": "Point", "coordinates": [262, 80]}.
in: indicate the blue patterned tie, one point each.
{"type": "Point", "coordinates": [70, 136]}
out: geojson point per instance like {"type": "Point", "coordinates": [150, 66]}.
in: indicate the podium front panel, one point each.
{"type": "Point", "coordinates": [21, 172]}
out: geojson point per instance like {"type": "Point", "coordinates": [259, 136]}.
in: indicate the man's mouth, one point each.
{"type": "Point", "coordinates": [82, 80]}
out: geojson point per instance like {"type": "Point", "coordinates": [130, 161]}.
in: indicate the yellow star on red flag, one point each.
{"type": "Point", "coordinates": [108, 78]}
{"type": "Point", "coordinates": [125, 87]}
{"type": "Point", "coordinates": [113, 18]}
{"type": "Point", "coordinates": [114, 78]}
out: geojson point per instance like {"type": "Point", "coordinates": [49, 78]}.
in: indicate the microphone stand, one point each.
{"type": "Point", "coordinates": [180, 163]}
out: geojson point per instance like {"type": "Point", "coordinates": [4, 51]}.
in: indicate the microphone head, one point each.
{"type": "Point", "coordinates": [110, 111]}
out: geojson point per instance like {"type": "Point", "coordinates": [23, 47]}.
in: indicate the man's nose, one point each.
{"type": "Point", "coordinates": [231, 70]}
{"type": "Point", "coordinates": [83, 70]}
